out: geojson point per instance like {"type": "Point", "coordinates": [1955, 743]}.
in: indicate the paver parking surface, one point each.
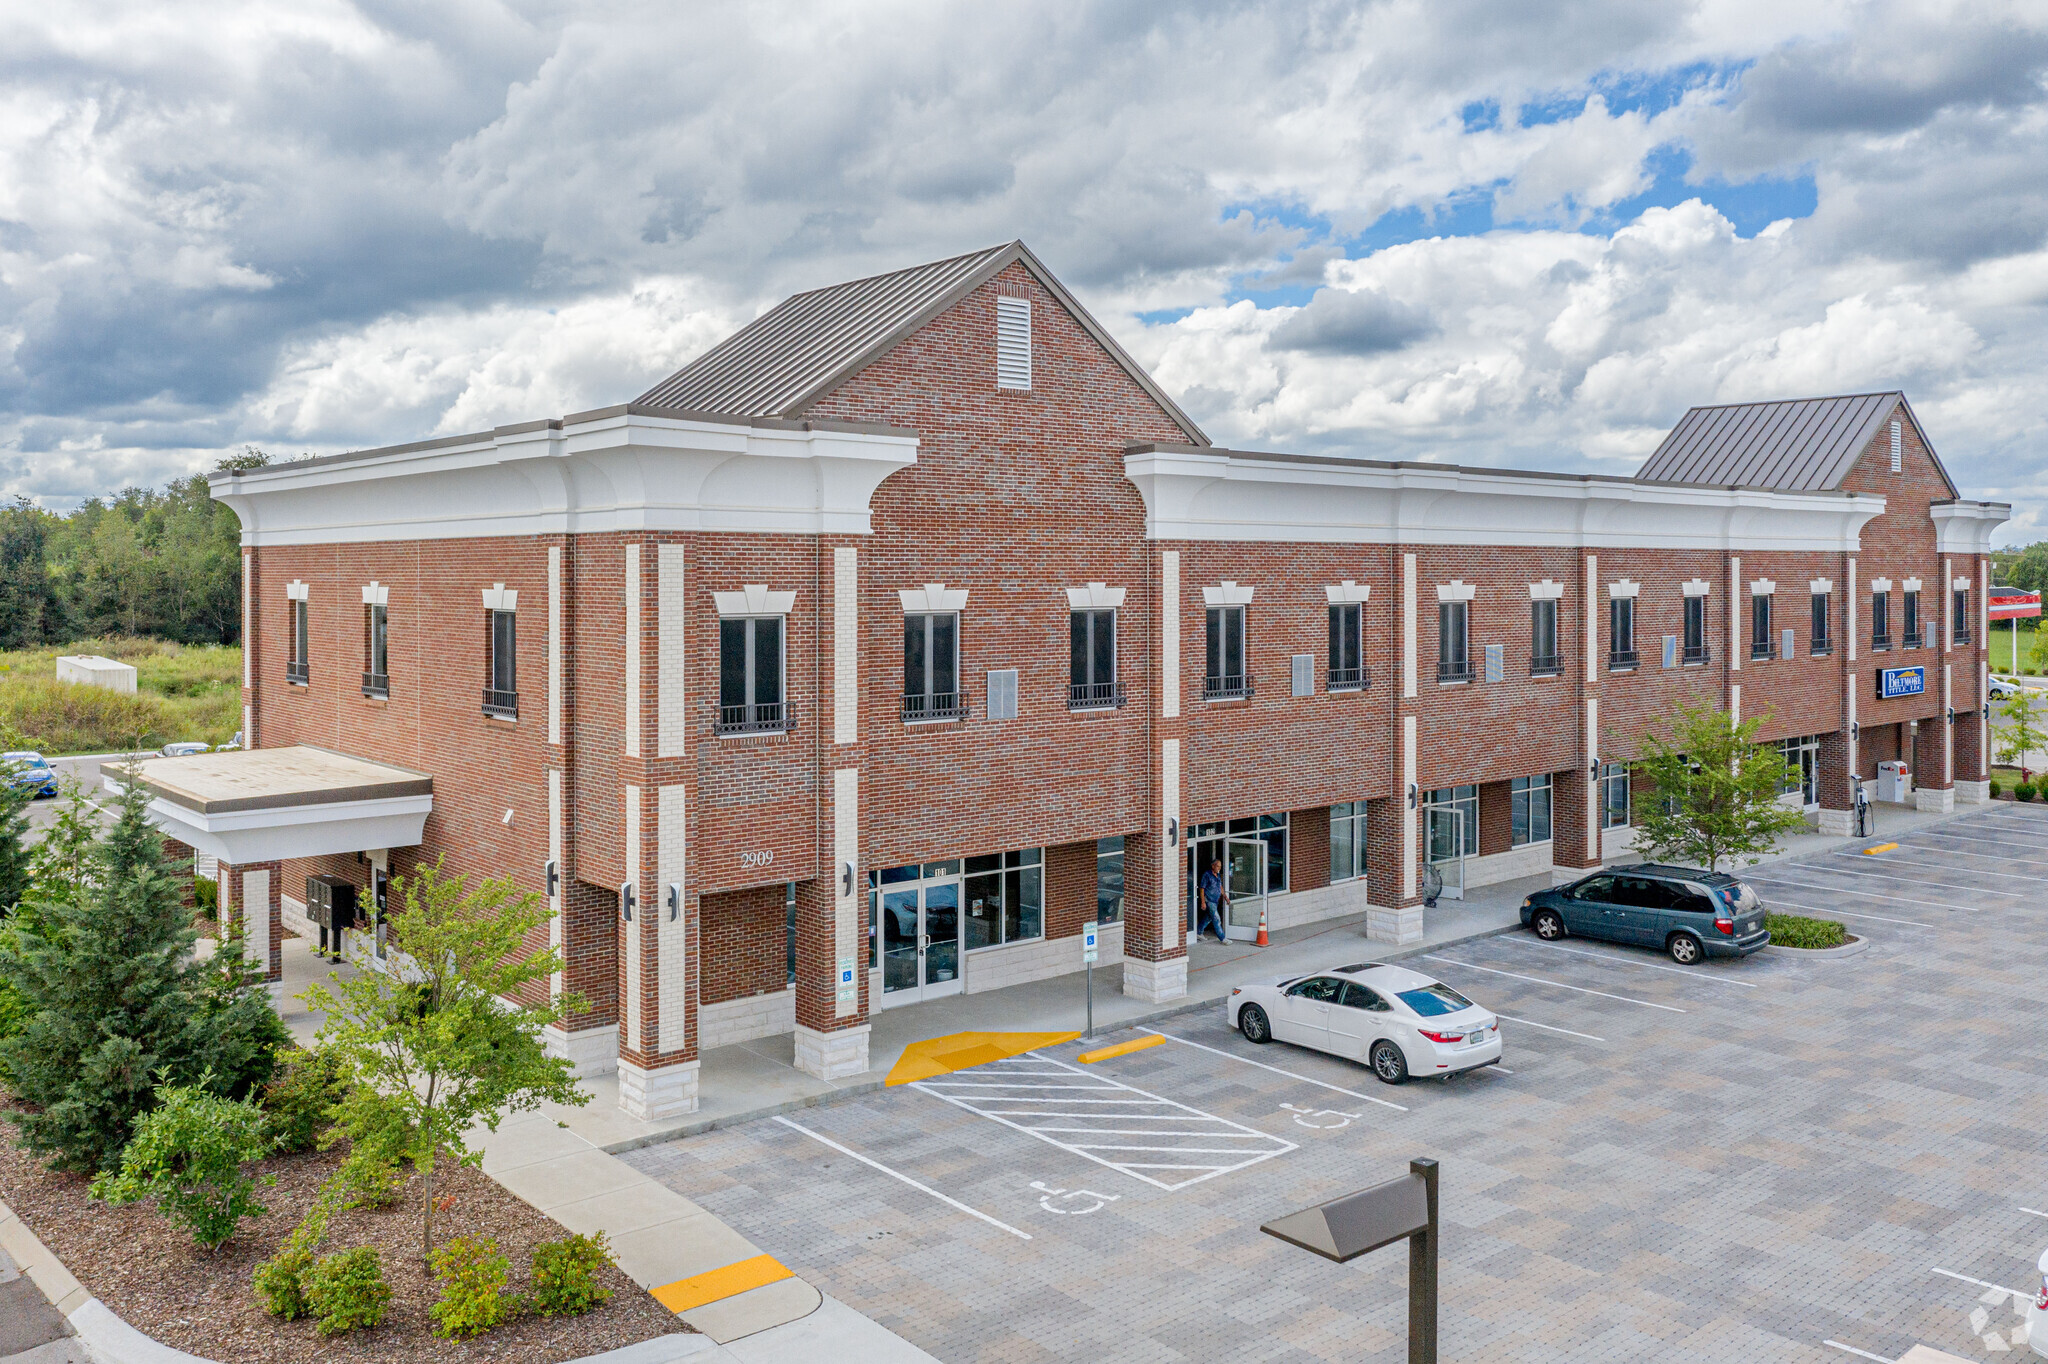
{"type": "Point", "coordinates": [1740, 1161]}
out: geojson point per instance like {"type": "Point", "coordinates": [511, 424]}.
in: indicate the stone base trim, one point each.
{"type": "Point", "coordinates": [653, 1095]}
{"type": "Point", "coordinates": [770, 1014]}
{"type": "Point", "coordinates": [1155, 982]}
{"type": "Point", "coordinates": [590, 1051]}
{"type": "Point", "coordinates": [1616, 842]}
{"type": "Point", "coordinates": [998, 968]}
{"type": "Point", "coordinates": [1393, 925]}
{"type": "Point", "coordinates": [1932, 800]}
{"type": "Point", "coordinates": [1562, 876]}
{"type": "Point", "coordinates": [1837, 823]}
{"type": "Point", "coordinates": [832, 1055]}
{"type": "Point", "coordinates": [1972, 792]}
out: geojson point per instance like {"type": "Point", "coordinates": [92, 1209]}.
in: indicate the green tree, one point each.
{"type": "Point", "coordinates": [2022, 735]}
{"type": "Point", "coordinates": [440, 1042]}
{"type": "Point", "coordinates": [1713, 789]}
{"type": "Point", "coordinates": [188, 1155]}
{"type": "Point", "coordinates": [15, 855]}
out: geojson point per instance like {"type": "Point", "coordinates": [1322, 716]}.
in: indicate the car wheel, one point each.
{"type": "Point", "coordinates": [1685, 949]}
{"type": "Point", "coordinates": [1388, 1063]}
{"type": "Point", "coordinates": [1549, 925]}
{"type": "Point", "coordinates": [1251, 1021]}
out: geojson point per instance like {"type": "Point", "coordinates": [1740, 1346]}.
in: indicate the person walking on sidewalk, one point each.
{"type": "Point", "coordinates": [1215, 900]}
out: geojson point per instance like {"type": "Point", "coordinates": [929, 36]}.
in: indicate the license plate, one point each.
{"type": "Point", "coordinates": [1753, 926]}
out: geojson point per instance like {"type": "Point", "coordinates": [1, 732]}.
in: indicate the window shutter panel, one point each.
{"type": "Point", "coordinates": [1304, 674]}
{"type": "Point", "coordinates": [1013, 343]}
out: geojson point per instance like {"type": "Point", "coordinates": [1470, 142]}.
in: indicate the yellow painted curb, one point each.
{"type": "Point", "coordinates": [1120, 1049]}
{"type": "Point", "coordinates": [698, 1289]}
{"type": "Point", "coordinates": [959, 1050]}
{"type": "Point", "coordinates": [1882, 847]}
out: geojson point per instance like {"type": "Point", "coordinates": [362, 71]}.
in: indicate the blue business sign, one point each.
{"type": "Point", "coordinates": [1893, 682]}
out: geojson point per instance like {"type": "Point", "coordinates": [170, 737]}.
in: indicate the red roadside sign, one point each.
{"type": "Point", "coordinates": [2009, 603]}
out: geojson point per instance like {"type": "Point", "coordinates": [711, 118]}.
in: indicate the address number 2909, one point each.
{"type": "Point", "coordinates": [756, 859]}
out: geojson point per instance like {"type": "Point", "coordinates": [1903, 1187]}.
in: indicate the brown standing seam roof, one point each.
{"type": "Point", "coordinates": [810, 343]}
{"type": "Point", "coordinates": [1800, 445]}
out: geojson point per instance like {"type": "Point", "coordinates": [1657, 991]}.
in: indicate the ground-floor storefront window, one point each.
{"type": "Point", "coordinates": [1109, 879]}
{"type": "Point", "coordinates": [1347, 841]}
{"type": "Point", "coordinates": [1613, 795]}
{"type": "Point", "coordinates": [1529, 810]}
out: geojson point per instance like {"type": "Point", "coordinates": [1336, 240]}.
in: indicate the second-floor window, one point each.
{"type": "Point", "coordinates": [750, 698]}
{"type": "Point", "coordinates": [1226, 675]}
{"type": "Point", "coordinates": [376, 651]}
{"type": "Point", "coordinates": [1822, 643]}
{"type": "Point", "coordinates": [1912, 622]}
{"type": "Point", "coordinates": [1091, 656]}
{"type": "Point", "coordinates": [501, 676]}
{"type": "Point", "coordinates": [1759, 626]}
{"type": "Point", "coordinates": [1347, 648]}
{"type": "Point", "coordinates": [1621, 632]}
{"type": "Point", "coordinates": [1880, 620]}
{"type": "Point", "coordinates": [1544, 659]}
{"type": "Point", "coordinates": [931, 667]}
{"type": "Point", "coordinates": [1695, 630]}
{"type": "Point", "coordinates": [1960, 629]}
{"type": "Point", "coordinates": [298, 668]}
{"type": "Point", "coordinates": [1453, 648]}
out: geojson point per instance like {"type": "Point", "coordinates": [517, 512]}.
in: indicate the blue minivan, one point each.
{"type": "Point", "coordinates": [1684, 911]}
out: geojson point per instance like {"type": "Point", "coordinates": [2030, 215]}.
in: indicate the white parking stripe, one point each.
{"type": "Point", "coordinates": [1881, 1359]}
{"type": "Point", "coordinates": [1866, 894]}
{"type": "Point", "coordinates": [1981, 1284]}
{"type": "Point", "coordinates": [1452, 961]}
{"type": "Point", "coordinates": [1624, 961]}
{"type": "Point", "coordinates": [1965, 852]}
{"type": "Point", "coordinates": [2036, 1211]}
{"type": "Point", "coordinates": [1547, 1027]}
{"type": "Point", "coordinates": [897, 1174]}
{"type": "Point", "coordinates": [1931, 885]}
{"type": "Point", "coordinates": [1325, 1084]}
{"type": "Point", "coordinates": [1960, 871]}
{"type": "Point", "coordinates": [1845, 914]}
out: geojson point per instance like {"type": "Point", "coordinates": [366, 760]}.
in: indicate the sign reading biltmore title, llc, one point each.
{"type": "Point", "coordinates": [1893, 682]}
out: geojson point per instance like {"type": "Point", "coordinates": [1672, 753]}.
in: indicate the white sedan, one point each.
{"type": "Point", "coordinates": [1398, 1021]}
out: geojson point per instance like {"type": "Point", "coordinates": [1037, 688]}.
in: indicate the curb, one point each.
{"type": "Point", "coordinates": [1853, 947]}
{"type": "Point", "coordinates": [851, 1091]}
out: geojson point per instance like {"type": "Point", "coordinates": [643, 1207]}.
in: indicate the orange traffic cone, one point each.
{"type": "Point", "coordinates": [1262, 925]}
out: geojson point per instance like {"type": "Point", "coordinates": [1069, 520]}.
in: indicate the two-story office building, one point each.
{"type": "Point", "coordinates": [868, 657]}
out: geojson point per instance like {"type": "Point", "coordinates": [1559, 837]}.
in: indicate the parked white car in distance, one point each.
{"type": "Point", "coordinates": [2037, 1314]}
{"type": "Point", "coordinates": [2001, 688]}
{"type": "Point", "coordinates": [184, 749]}
{"type": "Point", "coordinates": [1400, 1022]}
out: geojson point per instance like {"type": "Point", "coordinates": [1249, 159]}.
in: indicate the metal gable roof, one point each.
{"type": "Point", "coordinates": [1798, 445]}
{"type": "Point", "coordinates": [810, 343]}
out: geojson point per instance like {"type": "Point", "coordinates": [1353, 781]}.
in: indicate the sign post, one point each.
{"type": "Point", "coordinates": [1356, 1224]}
{"type": "Point", "coordinates": [1088, 932]}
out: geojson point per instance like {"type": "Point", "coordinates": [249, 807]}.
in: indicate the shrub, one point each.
{"type": "Point", "coordinates": [473, 1301]}
{"type": "Point", "coordinates": [298, 1102]}
{"type": "Point", "coordinates": [187, 1154]}
{"type": "Point", "coordinates": [346, 1290]}
{"type": "Point", "coordinates": [206, 896]}
{"type": "Point", "coordinates": [1797, 930]}
{"type": "Point", "coordinates": [280, 1281]}
{"type": "Point", "coordinates": [1996, 789]}
{"type": "Point", "coordinates": [565, 1275]}
{"type": "Point", "coordinates": [2023, 790]}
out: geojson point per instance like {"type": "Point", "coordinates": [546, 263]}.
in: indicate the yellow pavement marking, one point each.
{"type": "Point", "coordinates": [698, 1289]}
{"type": "Point", "coordinates": [959, 1050]}
{"type": "Point", "coordinates": [1121, 1049]}
{"type": "Point", "coordinates": [1882, 847]}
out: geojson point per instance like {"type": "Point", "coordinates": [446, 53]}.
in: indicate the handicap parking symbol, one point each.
{"type": "Point", "coordinates": [1095, 1202]}
{"type": "Point", "coordinates": [1320, 1117]}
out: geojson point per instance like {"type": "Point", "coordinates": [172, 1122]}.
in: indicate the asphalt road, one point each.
{"type": "Point", "coordinates": [86, 770]}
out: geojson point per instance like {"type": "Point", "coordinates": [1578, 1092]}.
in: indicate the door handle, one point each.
{"type": "Point", "coordinates": [924, 941]}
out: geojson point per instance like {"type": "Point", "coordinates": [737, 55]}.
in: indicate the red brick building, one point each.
{"type": "Point", "coordinates": [912, 627]}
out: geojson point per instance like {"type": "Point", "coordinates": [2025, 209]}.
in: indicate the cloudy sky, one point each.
{"type": "Point", "coordinates": [1488, 233]}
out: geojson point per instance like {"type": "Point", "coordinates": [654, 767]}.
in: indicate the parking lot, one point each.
{"type": "Point", "coordinates": [1785, 1157]}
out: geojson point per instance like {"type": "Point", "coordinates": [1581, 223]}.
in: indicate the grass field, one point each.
{"type": "Point", "coordinates": [2000, 647]}
{"type": "Point", "coordinates": [183, 691]}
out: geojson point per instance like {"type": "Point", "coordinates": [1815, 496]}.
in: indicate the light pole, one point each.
{"type": "Point", "coordinates": [1356, 1224]}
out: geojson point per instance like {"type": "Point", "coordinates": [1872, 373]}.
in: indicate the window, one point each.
{"type": "Point", "coordinates": [298, 669]}
{"type": "Point", "coordinates": [1347, 841]}
{"type": "Point", "coordinates": [1880, 620]}
{"type": "Point", "coordinates": [501, 689]}
{"type": "Point", "coordinates": [1226, 676]}
{"type": "Point", "coordinates": [1822, 644]}
{"type": "Point", "coordinates": [1109, 879]}
{"type": "Point", "coordinates": [931, 667]}
{"type": "Point", "coordinates": [1759, 626]}
{"type": "Point", "coordinates": [1912, 624]}
{"type": "Point", "coordinates": [1347, 648]}
{"type": "Point", "coordinates": [1529, 810]}
{"type": "Point", "coordinates": [1544, 659]}
{"type": "Point", "coordinates": [1621, 632]}
{"type": "Point", "coordinates": [789, 930]}
{"type": "Point", "coordinates": [376, 652]}
{"type": "Point", "coordinates": [1696, 630]}
{"type": "Point", "coordinates": [1005, 898]}
{"type": "Point", "coordinates": [1464, 800]}
{"type": "Point", "coordinates": [1959, 630]}
{"type": "Point", "coordinates": [1453, 649]}
{"type": "Point", "coordinates": [1091, 676]}
{"type": "Point", "coordinates": [1614, 795]}
{"type": "Point", "coordinates": [750, 675]}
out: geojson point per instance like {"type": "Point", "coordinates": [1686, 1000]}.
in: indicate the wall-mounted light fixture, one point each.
{"type": "Point", "coordinates": [552, 874]}
{"type": "Point", "coordinates": [1172, 833]}
{"type": "Point", "coordinates": [1951, 714]}
{"type": "Point", "coordinates": [845, 878]}
{"type": "Point", "coordinates": [1411, 795]}
{"type": "Point", "coordinates": [1854, 730]}
{"type": "Point", "coordinates": [675, 900]}
{"type": "Point", "coordinates": [626, 900]}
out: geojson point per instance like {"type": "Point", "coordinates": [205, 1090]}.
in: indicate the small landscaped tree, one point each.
{"type": "Point", "coordinates": [2022, 734]}
{"type": "Point", "coordinates": [14, 850]}
{"type": "Point", "coordinates": [1713, 790]}
{"type": "Point", "coordinates": [441, 1041]}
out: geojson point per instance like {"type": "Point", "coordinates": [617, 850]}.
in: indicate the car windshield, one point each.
{"type": "Point", "coordinates": [1432, 1000]}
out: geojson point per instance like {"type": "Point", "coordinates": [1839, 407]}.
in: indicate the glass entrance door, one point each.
{"type": "Point", "coordinates": [1245, 868]}
{"type": "Point", "coordinates": [1444, 847]}
{"type": "Point", "coordinates": [921, 937]}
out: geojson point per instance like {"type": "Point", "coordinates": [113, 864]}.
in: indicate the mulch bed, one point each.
{"type": "Point", "coordinates": [146, 1269]}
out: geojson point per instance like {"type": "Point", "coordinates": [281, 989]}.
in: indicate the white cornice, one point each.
{"type": "Point", "coordinates": [1095, 597]}
{"type": "Point", "coordinates": [1965, 527]}
{"type": "Point", "coordinates": [614, 470]}
{"type": "Point", "coordinates": [1223, 496]}
{"type": "Point", "coordinates": [754, 599]}
{"type": "Point", "coordinates": [932, 597]}
{"type": "Point", "coordinates": [1227, 594]}
{"type": "Point", "coordinates": [1348, 593]}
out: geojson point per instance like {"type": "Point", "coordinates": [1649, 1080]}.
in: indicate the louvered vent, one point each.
{"type": "Point", "coordinates": [1898, 449]}
{"type": "Point", "coordinates": [1013, 343]}
{"type": "Point", "coordinates": [1002, 694]}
